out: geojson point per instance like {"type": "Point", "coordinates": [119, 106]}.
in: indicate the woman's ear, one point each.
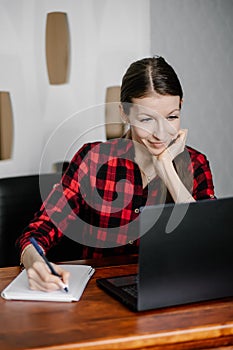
{"type": "Point", "coordinates": [124, 117]}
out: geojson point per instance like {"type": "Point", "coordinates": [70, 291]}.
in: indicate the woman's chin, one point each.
{"type": "Point", "coordinates": [156, 151]}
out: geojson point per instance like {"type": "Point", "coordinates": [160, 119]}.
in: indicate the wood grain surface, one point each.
{"type": "Point", "coordinates": [98, 321]}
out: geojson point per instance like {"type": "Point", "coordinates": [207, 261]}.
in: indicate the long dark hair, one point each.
{"type": "Point", "coordinates": [142, 78]}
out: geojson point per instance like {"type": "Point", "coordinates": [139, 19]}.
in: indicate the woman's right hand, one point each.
{"type": "Point", "coordinates": [39, 274]}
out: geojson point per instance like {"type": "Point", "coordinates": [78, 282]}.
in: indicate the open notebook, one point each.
{"type": "Point", "coordinates": [19, 289]}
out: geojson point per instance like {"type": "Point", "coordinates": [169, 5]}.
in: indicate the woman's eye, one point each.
{"type": "Point", "coordinates": [147, 119]}
{"type": "Point", "coordinates": [172, 117]}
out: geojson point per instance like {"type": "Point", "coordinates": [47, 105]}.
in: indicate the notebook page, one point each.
{"type": "Point", "coordinates": [19, 289]}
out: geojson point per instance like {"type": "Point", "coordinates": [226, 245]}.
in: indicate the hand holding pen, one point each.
{"type": "Point", "coordinates": [50, 266]}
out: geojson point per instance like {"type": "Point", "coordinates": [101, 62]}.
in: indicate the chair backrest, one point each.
{"type": "Point", "coordinates": [114, 126]}
{"type": "Point", "coordinates": [20, 198]}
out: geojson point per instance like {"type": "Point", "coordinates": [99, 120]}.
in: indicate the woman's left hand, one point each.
{"type": "Point", "coordinates": [163, 162]}
{"type": "Point", "coordinates": [166, 171]}
{"type": "Point", "coordinates": [175, 148]}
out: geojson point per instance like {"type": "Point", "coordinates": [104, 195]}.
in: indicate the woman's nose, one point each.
{"type": "Point", "coordinates": [163, 129]}
{"type": "Point", "coordinates": [159, 130]}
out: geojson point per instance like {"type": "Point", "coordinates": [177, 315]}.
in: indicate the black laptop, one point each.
{"type": "Point", "coordinates": [185, 256]}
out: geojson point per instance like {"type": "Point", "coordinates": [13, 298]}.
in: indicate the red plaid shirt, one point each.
{"type": "Point", "coordinates": [98, 199]}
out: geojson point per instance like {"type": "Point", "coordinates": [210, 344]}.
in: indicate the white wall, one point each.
{"type": "Point", "coordinates": [196, 37]}
{"type": "Point", "coordinates": [51, 122]}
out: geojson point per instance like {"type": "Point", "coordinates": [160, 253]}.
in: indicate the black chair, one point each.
{"type": "Point", "coordinates": [20, 198]}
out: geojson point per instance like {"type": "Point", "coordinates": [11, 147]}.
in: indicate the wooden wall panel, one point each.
{"type": "Point", "coordinates": [114, 123]}
{"type": "Point", "coordinates": [6, 126]}
{"type": "Point", "coordinates": [57, 47]}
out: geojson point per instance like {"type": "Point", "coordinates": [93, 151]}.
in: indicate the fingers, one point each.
{"type": "Point", "coordinates": [40, 277]}
{"type": "Point", "coordinates": [64, 274]}
{"type": "Point", "coordinates": [180, 139]}
{"type": "Point", "coordinates": [176, 147]}
{"type": "Point", "coordinates": [183, 133]}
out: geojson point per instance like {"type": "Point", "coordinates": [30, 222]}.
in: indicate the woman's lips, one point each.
{"type": "Point", "coordinates": [157, 144]}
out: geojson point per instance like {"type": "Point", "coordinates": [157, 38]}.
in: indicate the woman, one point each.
{"type": "Point", "coordinates": [100, 195]}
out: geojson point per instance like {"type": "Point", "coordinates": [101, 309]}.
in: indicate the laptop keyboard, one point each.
{"type": "Point", "coordinates": [131, 290]}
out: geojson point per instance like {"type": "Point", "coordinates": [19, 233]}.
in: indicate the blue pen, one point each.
{"type": "Point", "coordinates": [40, 251]}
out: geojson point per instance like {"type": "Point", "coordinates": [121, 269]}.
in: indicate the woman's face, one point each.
{"type": "Point", "coordinates": [155, 121]}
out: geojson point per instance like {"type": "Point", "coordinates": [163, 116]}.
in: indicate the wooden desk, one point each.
{"type": "Point", "coordinates": [98, 321]}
